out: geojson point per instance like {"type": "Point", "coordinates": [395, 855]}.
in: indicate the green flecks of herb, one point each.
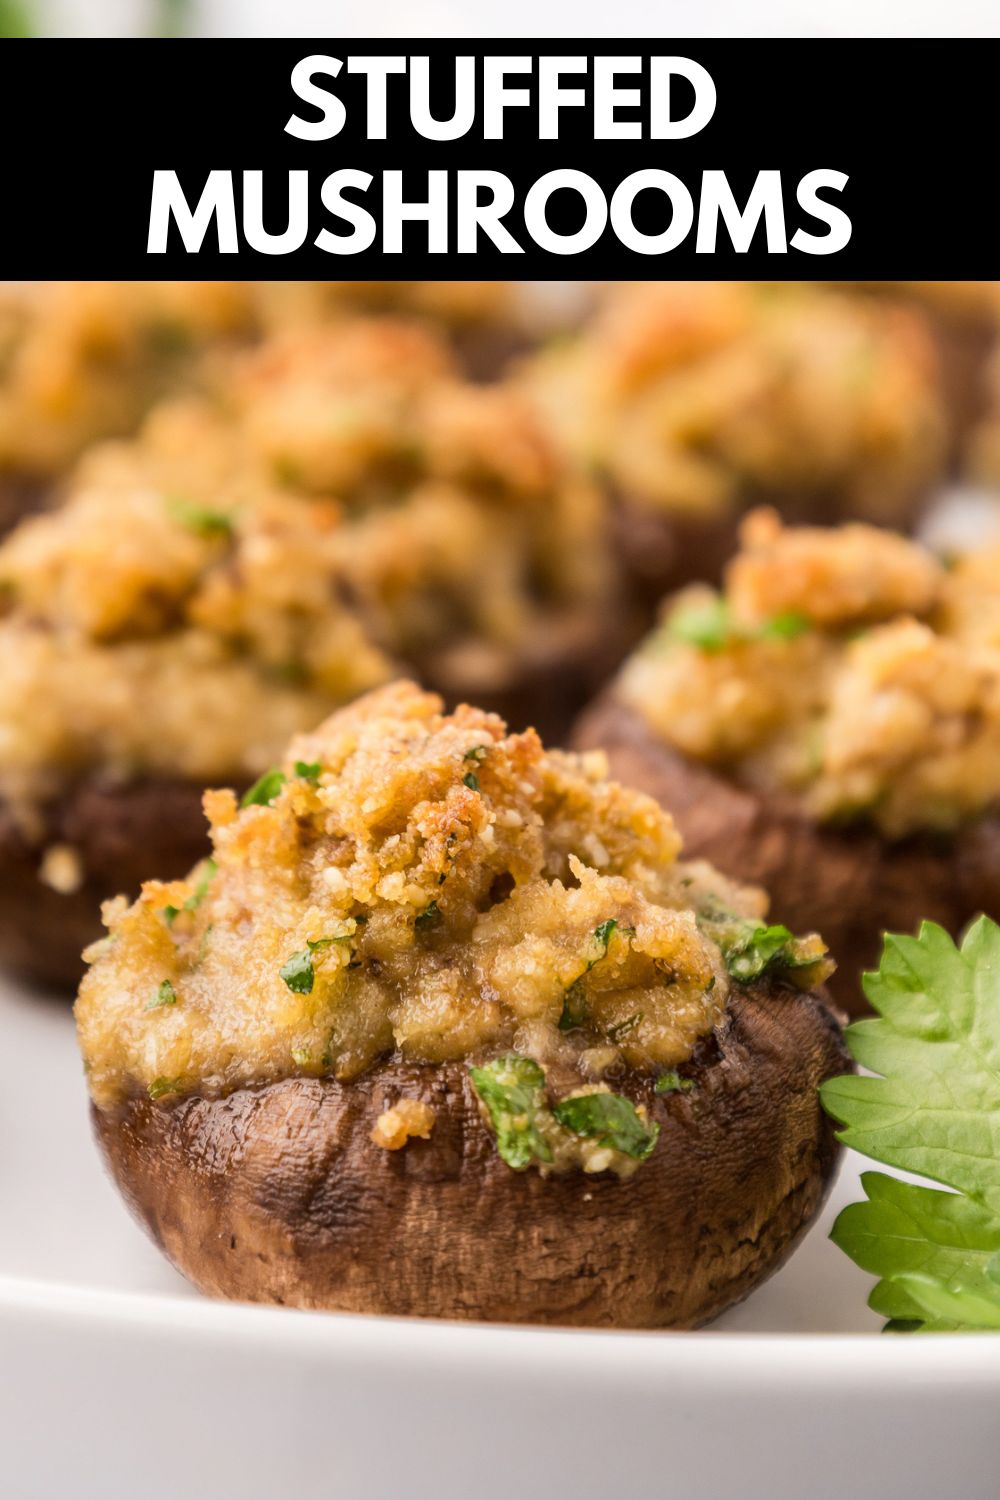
{"type": "Point", "coordinates": [622, 1029]}
{"type": "Point", "coordinates": [511, 1089]}
{"type": "Point", "coordinates": [165, 995]}
{"type": "Point", "coordinates": [710, 627]}
{"type": "Point", "coordinates": [751, 948]}
{"type": "Point", "coordinates": [207, 871]}
{"type": "Point", "coordinates": [574, 1011]}
{"type": "Point", "coordinates": [200, 518]}
{"type": "Point", "coordinates": [786, 626]}
{"type": "Point", "coordinates": [309, 770]}
{"type": "Point", "coordinates": [706, 626]}
{"type": "Point", "coordinates": [471, 780]}
{"type": "Point", "coordinates": [301, 1056]}
{"type": "Point", "coordinates": [477, 753]}
{"type": "Point", "coordinates": [611, 1121]}
{"type": "Point", "coordinates": [299, 972]}
{"type": "Point", "coordinates": [264, 789]}
{"type": "Point", "coordinates": [671, 1082]}
{"type": "Point", "coordinates": [603, 935]}
{"type": "Point", "coordinates": [161, 1086]}
{"type": "Point", "coordinates": [430, 915]}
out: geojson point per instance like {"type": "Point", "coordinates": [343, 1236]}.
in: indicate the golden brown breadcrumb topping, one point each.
{"type": "Point", "coordinates": [418, 884]}
{"type": "Point", "coordinates": [846, 668]}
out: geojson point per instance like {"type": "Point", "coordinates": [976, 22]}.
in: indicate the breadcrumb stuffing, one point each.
{"type": "Point", "coordinates": [405, 1119]}
{"type": "Point", "coordinates": [433, 945]}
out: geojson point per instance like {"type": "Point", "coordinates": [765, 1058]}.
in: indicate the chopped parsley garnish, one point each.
{"type": "Point", "coordinates": [298, 971]}
{"type": "Point", "coordinates": [706, 626]}
{"type": "Point", "coordinates": [621, 1030]}
{"type": "Point", "coordinates": [932, 1111]}
{"type": "Point", "coordinates": [478, 752]}
{"type": "Point", "coordinates": [207, 871]}
{"type": "Point", "coordinates": [786, 626]}
{"type": "Point", "coordinates": [200, 518]}
{"type": "Point", "coordinates": [603, 935]}
{"type": "Point", "coordinates": [671, 1082]}
{"type": "Point", "coordinates": [751, 948]}
{"type": "Point", "coordinates": [609, 1120]}
{"type": "Point", "coordinates": [165, 995]}
{"type": "Point", "coordinates": [574, 1011]}
{"type": "Point", "coordinates": [161, 1086]}
{"type": "Point", "coordinates": [471, 780]}
{"type": "Point", "coordinates": [511, 1089]}
{"type": "Point", "coordinates": [710, 626]}
{"type": "Point", "coordinates": [264, 789]}
{"type": "Point", "coordinates": [309, 770]}
{"type": "Point", "coordinates": [301, 1056]}
{"type": "Point", "coordinates": [429, 916]}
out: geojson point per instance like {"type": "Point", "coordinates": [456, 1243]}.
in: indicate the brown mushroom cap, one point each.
{"type": "Point", "coordinates": [278, 1194]}
{"type": "Point", "coordinates": [851, 884]}
{"type": "Point", "coordinates": [117, 835]}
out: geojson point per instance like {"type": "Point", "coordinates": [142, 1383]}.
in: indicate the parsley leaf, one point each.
{"type": "Point", "coordinates": [298, 971]}
{"type": "Point", "coordinates": [200, 518]}
{"type": "Point", "coordinates": [429, 917]}
{"type": "Point", "coordinates": [308, 770]}
{"type": "Point", "coordinates": [574, 1011]}
{"type": "Point", "coordinates": [264, 789]}
{"type": "Point", "coordinates": [751, 948]}
{"type": "Point", "coordinates": [934, 1111]}
{"type": "Point", "coordinates": [165, 995]}
{"type": "Point", "coordinates": [610, 1120]}
{"type": "Point", "coordinates": [671, 1082]}
{"type": "Point", "coordinates": [471, 780]}
{"type": "Point", "coordinates": [511, 1089]}
{"type": "Point", "coordinates": [706, 626]}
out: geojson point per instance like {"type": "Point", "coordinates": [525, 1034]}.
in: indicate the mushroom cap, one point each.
{"type": "Point", "coordinates": [849, 883]}
{"type": "Point", "coordinates": [278, 1194]}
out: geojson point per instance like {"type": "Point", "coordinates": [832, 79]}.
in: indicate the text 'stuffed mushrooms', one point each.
{"type": "Point", "coordinates": [828, 726]}
{"type": "Point", "coordinates": [445, 1028]}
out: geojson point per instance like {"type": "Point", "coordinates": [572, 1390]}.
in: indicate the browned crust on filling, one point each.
{"type": "Point", "coordinates": [119, 834]}
{"type": "Point", "coordinates": [849, 884]}
{"type": "Point", "coordinates": [277, 1194]}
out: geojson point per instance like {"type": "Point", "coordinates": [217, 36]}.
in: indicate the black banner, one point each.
{"type": "Point", "coordinates": [815, 158]}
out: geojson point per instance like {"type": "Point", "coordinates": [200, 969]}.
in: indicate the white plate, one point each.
{"type": "Point", "coordinates": [117, 1380]}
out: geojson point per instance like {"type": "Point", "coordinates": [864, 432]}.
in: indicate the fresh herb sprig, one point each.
{"type": "Point", "coordinates": [933, 1110]}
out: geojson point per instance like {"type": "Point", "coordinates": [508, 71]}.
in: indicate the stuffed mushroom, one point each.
{"type": "Point", "coordinates": [447, 1029]}
{"type": "Point", "coordinates": [694, 400]}
{"type": "Point", "coordinates": [828, 726]}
